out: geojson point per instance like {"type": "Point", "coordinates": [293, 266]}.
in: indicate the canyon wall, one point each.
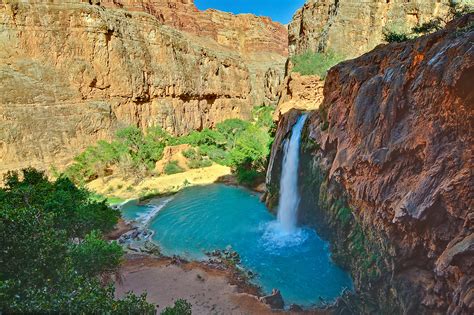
{"type": "Point", "coordinates": [351, 27]}
{"type": "Point", "coordinates": [348, 29]}
{"type": "Point", "coordinates": [386, 173]}
{"type": "Point", "coordinates": [74, 71]}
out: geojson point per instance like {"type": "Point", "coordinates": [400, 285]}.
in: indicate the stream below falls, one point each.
{"type": "Point", "coordinates": [201, 219]}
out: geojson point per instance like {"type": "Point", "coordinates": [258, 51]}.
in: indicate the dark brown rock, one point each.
{"type": "Point", "coordinates": [274, 300]}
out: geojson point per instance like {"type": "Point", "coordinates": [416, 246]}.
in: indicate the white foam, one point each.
{"type": "Point", "coordinates": [276, 236]}
{"type": "Point", "coordinates": [145, 218]}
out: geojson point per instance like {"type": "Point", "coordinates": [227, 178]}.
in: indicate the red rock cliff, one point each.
{"type": "Point", "coordinates": [390, 153]}
{"type": "Point", "coordinates": [73, 71]}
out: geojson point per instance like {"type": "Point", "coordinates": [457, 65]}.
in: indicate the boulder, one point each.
{"type": "Point", "coordinates": [274, 300]}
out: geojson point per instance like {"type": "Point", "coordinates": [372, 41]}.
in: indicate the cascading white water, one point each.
{"type": "Point", "coordinates": [289, 196]}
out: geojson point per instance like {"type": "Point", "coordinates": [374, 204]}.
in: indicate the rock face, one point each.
{"type": "Point", "coordinates": [299, 92]}
{"type": "Point", "coordinates": [274, 300]}
{"type": "Point", "coordinates": [73, 71]}
{"type": "Point", "coordinates": [386, 167]}
{"type": "Point", "coordinates": [351, 28]}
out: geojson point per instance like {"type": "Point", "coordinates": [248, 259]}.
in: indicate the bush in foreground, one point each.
{"type": "Point", "coordinates": [53, 255]}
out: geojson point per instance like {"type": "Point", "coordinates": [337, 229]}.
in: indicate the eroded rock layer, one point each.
{"type": "Point", "coordinates": [73, 71]}
{"type": "Point", "coordinates": [351, 27]}
{"type": "Point", "coordinates": [386, 172]}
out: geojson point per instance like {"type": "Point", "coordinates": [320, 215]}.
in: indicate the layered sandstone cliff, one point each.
{"type": "Point", "coordinates": [386, 172]}
{"type": "Point", "coordinates": [74, 71]}
{"type": "Point", "coordinates": [351, 27]}
{"type": "Point", "coordinates": [348, 29]}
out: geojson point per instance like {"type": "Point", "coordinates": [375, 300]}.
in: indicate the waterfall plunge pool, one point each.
{"type": "Point", "coordinates": [201, 219]}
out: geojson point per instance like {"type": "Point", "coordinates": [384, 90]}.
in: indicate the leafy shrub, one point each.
{"type": "Point", "coordinates": [190, 153]}
{"type": "Point", "coordinates": [391, 36]}
{"type": "Point", "coordinates": [310, 63]}
{"type": "Point", "coordinates": [94, 256]}
{"type": "Point", "coordinates": [43, 271]}
{"type": "Point", "coordinates": [195, 159]}
{"type": "Point", "coordinates": [172, 168]}
{"type": "Point", "coordinates": [242, 145]}
{"type": "Point", "coordinates": [199, 163]}
{"type": "Point", "coordinates": [204, 137]}
{"type": "Point", "coordinates": [428, 27]}
{"type": "Point", "coordinates": [247, 176]}
{"type": "Point", "coordinates": [134, 153]}
{"type": "Point", "coordinates": [181, 307]}
{"type": "Point", "coordinates": [458, 9]}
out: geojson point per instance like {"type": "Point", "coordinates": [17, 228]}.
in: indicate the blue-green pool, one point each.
{"type": "Point", "coordinates": [201, 219]}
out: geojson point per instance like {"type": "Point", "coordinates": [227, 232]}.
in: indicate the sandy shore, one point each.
{"type": "Point", "coordinates": [115, 186]}
{"type": "Point", "coordinates": [208, 290]}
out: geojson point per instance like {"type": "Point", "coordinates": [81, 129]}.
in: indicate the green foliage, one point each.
{"type": "Point", "coordinates": [428, 27]}
{"type": "Point", "coordinates": [344, 215]}
{"type": "Point", "coordinates": [195, 159]}
{"type": "Point", "coordinates": [71, 208]}
{"type": "Point", "coordinates": [181, 307]}
{"type": "Point", "coordinates": [310, 63]}
{"type": "Point", "coordinates": [190, 153]}
{"type": "Point", "coordinates": [94, 256]}
{"type": "Point", "coordinates": [263, 116]}
{"type": "Point", "coordinates": [202, 138]}
{"type": "Point", "coordinates": [248, 176]}
{"type": "Point", "coordinates": [391, 36]}
{"type": "Point", "coordinates": [458, 9]}
{"type": "Point", "coordinates": [172, 168]}
{"type": "Point", "coordinates": [199, 163]}
{"type": "Point", "coordinates": [251, 150]}
{"type": "Point", "coordinates": [242, 145]}
{"type": "Point", "coordinates": [43, 270]}
{"type": "Point", "coordinates": [134, 153]}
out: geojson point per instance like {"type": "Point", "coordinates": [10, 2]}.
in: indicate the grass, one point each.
{"type": "Point", "coordinates": [310, 63]}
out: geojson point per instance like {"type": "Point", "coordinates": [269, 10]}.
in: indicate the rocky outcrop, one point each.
{"type": "Point", "coordinates": [74, 71]}
{"type": "Point", "coordinates": [299, 92]}
{"type": "Point", "coordinates": [351, 28]}
{"type": "Point", "coordinates": [386, 173]}
{"type": "Point", "coordinates": [173, 154]}
{"type": "Point", "coordinates": [274, 300]}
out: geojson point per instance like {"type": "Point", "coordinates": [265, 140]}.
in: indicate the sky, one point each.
{"type": "Point", "coordinates": [279, 10]}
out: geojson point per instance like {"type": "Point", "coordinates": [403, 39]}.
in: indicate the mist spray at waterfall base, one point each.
{"type": "Point", "coordinates": [284, 232]}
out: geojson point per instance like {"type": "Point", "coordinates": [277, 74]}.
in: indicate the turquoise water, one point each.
{"type": "Point", "coordinates": [201, 219]}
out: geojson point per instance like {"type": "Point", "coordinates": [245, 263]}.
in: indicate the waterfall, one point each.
{"type": "Point", "coordinates": [289, 197]}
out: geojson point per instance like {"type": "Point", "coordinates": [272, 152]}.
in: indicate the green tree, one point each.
{"type": "Point", "coordinates": [44, 269]}
{"type": "Point", "coordinates": [250, 154]}
{"type": "Point", "coordinates": [172, 168]}
{"type": "Point", "coordinates": [180, 307]}
{"type": "Point", "coordinates": [94, 256]}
